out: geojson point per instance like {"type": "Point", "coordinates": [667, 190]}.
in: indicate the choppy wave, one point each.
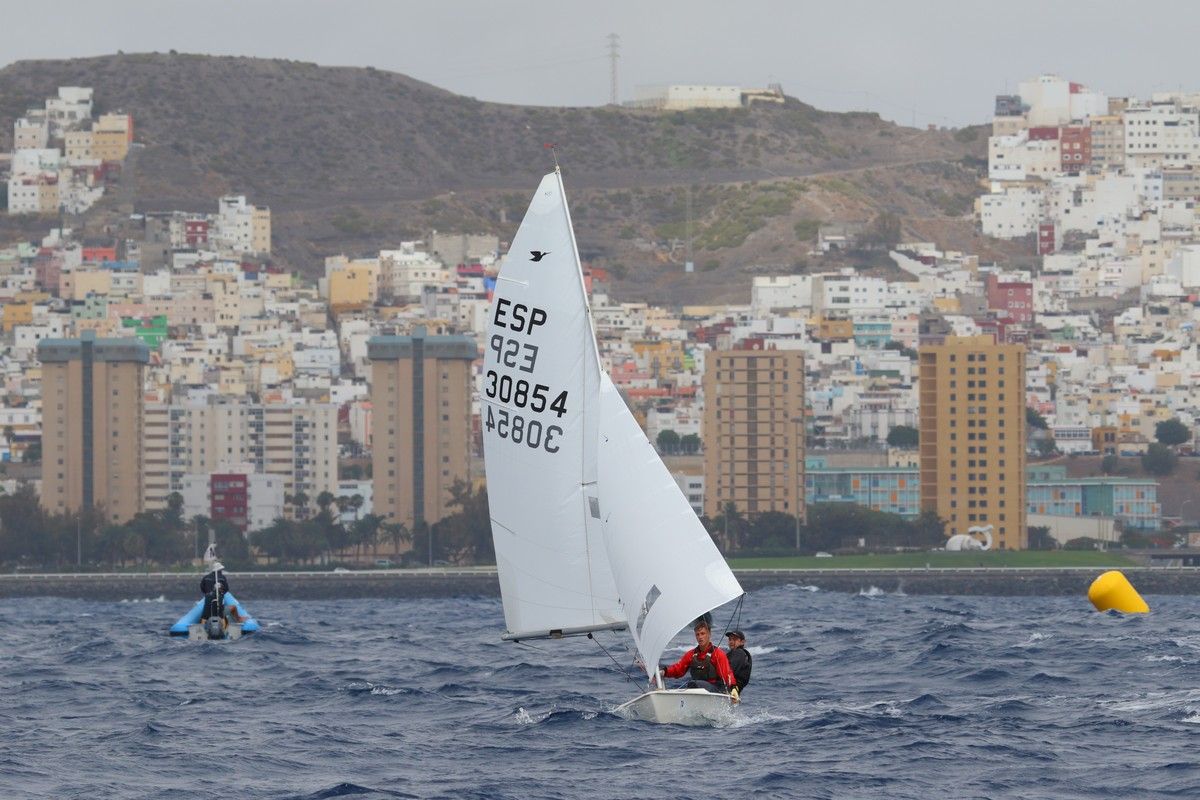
{"type": "Point", "coordinates": [851, 696]}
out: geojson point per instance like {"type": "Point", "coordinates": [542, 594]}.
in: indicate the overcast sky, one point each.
{"type": "Point", "coordinates": [926, 61]}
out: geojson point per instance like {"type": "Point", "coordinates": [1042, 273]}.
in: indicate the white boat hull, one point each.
{"type": "Point", "coordinates": [197, 633]}
{"type": "Point", "coordinates": [679, 707]}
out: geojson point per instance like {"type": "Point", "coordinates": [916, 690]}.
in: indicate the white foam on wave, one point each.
{"type": "Point", "coordinates": [804, 588]}
{"type": "Point", "coordinates": [871, 591]}
{"type": "Point", "coordinates": [742, 717]}
{"type": "Point", "coordinates": [1164, 658]}
{"type": "Point", "coordinates": [160, 599]}
{"type": "Point", "coordinates": [375, 688]}
{"type": "Point", "coordinates": [523, 717]}
{"type": "Point", "coordinates": [1194, 719]}
{"type": "Point", "coordinates": [886, 708]}
{"type": "Point", "coordinates": [1155, 701]}
{"type": "Point", "coordinates": [758, 650]}
{"type": "Point", "coordinates": [1033, 639]}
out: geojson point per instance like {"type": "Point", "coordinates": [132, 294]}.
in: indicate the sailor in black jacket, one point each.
{"type": "Point", "coordinates": [739, 659]}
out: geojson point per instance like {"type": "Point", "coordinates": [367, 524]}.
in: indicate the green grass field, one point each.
{"type": "Point", "coordinates": [1008, 558]}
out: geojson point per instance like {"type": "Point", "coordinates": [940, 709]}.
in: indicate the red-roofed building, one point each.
{"type": "Point", "coordinates": [99, 254]}
{"type": "Point", "coordinates": [1043, 134]}
{"type": "Point", "coordinates": [1048, 241]}
{"type": "Point", "coordinates": [195, 232]}
{"type": "Point", "coordinates": [1012, 298]}
{"type": "Point", "coordinates": [1076, 148]}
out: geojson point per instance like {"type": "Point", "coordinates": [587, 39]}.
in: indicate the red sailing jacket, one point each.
{"type": "Point", "coordinates": [719, 660]}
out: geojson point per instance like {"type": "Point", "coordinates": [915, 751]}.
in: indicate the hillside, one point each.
{"type": "Point", "coordinates": [354, 159]}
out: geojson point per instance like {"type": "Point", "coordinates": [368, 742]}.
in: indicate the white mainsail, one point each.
{"type": "Point", "coordinates": [540, 430]}
{"type": "Point", "coordinates": [667, 569]}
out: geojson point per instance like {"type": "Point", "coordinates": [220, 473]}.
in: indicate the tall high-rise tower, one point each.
{"type": "Point", "coordinates": [972, 395]}
{"type": "Point", "coordinates": [754, 431]}
{"type": "Point", "coordinates": [92, 405]}
{"type": "Point", "coordinates": [421, 422]}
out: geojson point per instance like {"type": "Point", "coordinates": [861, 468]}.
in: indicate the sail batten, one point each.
{"type": "Point", "coordinates": [562, 633]}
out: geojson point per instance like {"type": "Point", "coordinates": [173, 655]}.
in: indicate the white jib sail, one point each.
{"type": "Point", "coordinates": [540, 428]}
{"type": "Point", "coordinates": [666, 566]}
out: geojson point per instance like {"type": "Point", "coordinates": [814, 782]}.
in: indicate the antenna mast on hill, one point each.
{"type": "Point", "coordinates": [613, 44]}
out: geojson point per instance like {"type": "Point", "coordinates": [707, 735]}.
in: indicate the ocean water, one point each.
{"type": "Point", "coordinates": [853, 696]}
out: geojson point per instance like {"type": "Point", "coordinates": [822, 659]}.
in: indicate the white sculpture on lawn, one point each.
{"type": "Point", "coordinates": [967, 541]}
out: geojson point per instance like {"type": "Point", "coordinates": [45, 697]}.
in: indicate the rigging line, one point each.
{"type": "Point", "coordinates": [531, 647]}
{"type": "Point", "coordinates": [736, 610]}
{"type": "Point", "coordinates": [622, 670]}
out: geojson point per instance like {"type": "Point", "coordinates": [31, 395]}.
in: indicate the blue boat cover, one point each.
{"type": "Point", "coordinates": [180, 628]}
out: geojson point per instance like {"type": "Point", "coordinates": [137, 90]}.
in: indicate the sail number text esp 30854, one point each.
{"type": "Point", "coordinates": [519, 392]}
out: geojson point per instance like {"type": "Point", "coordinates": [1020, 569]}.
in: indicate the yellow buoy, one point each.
{"type": "Point", "coordinates": [1113, 591]}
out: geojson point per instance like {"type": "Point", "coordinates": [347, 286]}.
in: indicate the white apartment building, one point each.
{"type": "Point", "coordinates": [685, 420]}
{"type": "Point", "coordinates": [405, 274]}
{"type": "Point", "coordinates": [1016, 158]}
{"type": "Point", "coordinates": [1012, 213]}
{"type": "Point", "coordinates": [33, 163]}
{"type": "Point", "coordinates": [241, 227]}
{"type": "Point", "coordinates": [1006, 157]}
{"type": "Point", "coordinates": [72, 105]}
{"type": "Point", "coordinates": [265, 498]}
{"type": "Point", "coordinates": [780, 291]}
{"type": "Point", "coordinates": [692, 487]}
{"type": "Point", "coordinates": [296, 442]}
{"type": "Point", "coordinates": [1160, 135]}
{"type": "Point", "coordinates": [848, 292]}
{"type": "Point", "coordinates": [32, 195]}
{"type": "Point", "coordinates": [681, 97]}
{"type": "Point", "coordinates": [1056, 101]}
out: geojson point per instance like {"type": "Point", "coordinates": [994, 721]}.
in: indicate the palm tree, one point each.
{"type": "Point", "coordinates": [300, 504]}
{"type": "Point", "coordinates": [397, 532]}
{"type": "Point", "coordinates": [366, 531]}
{"type": "Point", "coordinates": [356, 502]}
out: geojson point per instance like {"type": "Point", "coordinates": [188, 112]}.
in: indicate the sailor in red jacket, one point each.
{"type": "Point", "coordinates": [707, 665]}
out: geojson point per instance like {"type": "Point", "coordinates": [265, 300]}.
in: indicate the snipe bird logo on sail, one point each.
{"type": "Point", "coordinates": [538, 255]}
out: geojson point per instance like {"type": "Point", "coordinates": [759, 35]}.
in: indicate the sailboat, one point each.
{"type": "Point", "coordinates": [591, 531]}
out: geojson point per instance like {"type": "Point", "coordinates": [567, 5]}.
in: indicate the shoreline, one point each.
{"type": "Point", "coordinates": [482, 581]}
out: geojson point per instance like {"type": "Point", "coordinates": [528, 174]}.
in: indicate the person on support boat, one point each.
{"type": "Point", "coordinates": [705, 664]}
{"type": "Point", "coordinates": [214, 586]}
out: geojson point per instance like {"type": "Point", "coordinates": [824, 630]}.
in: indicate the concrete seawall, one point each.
{"type": "Point", "coordinates": [995, 581]}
